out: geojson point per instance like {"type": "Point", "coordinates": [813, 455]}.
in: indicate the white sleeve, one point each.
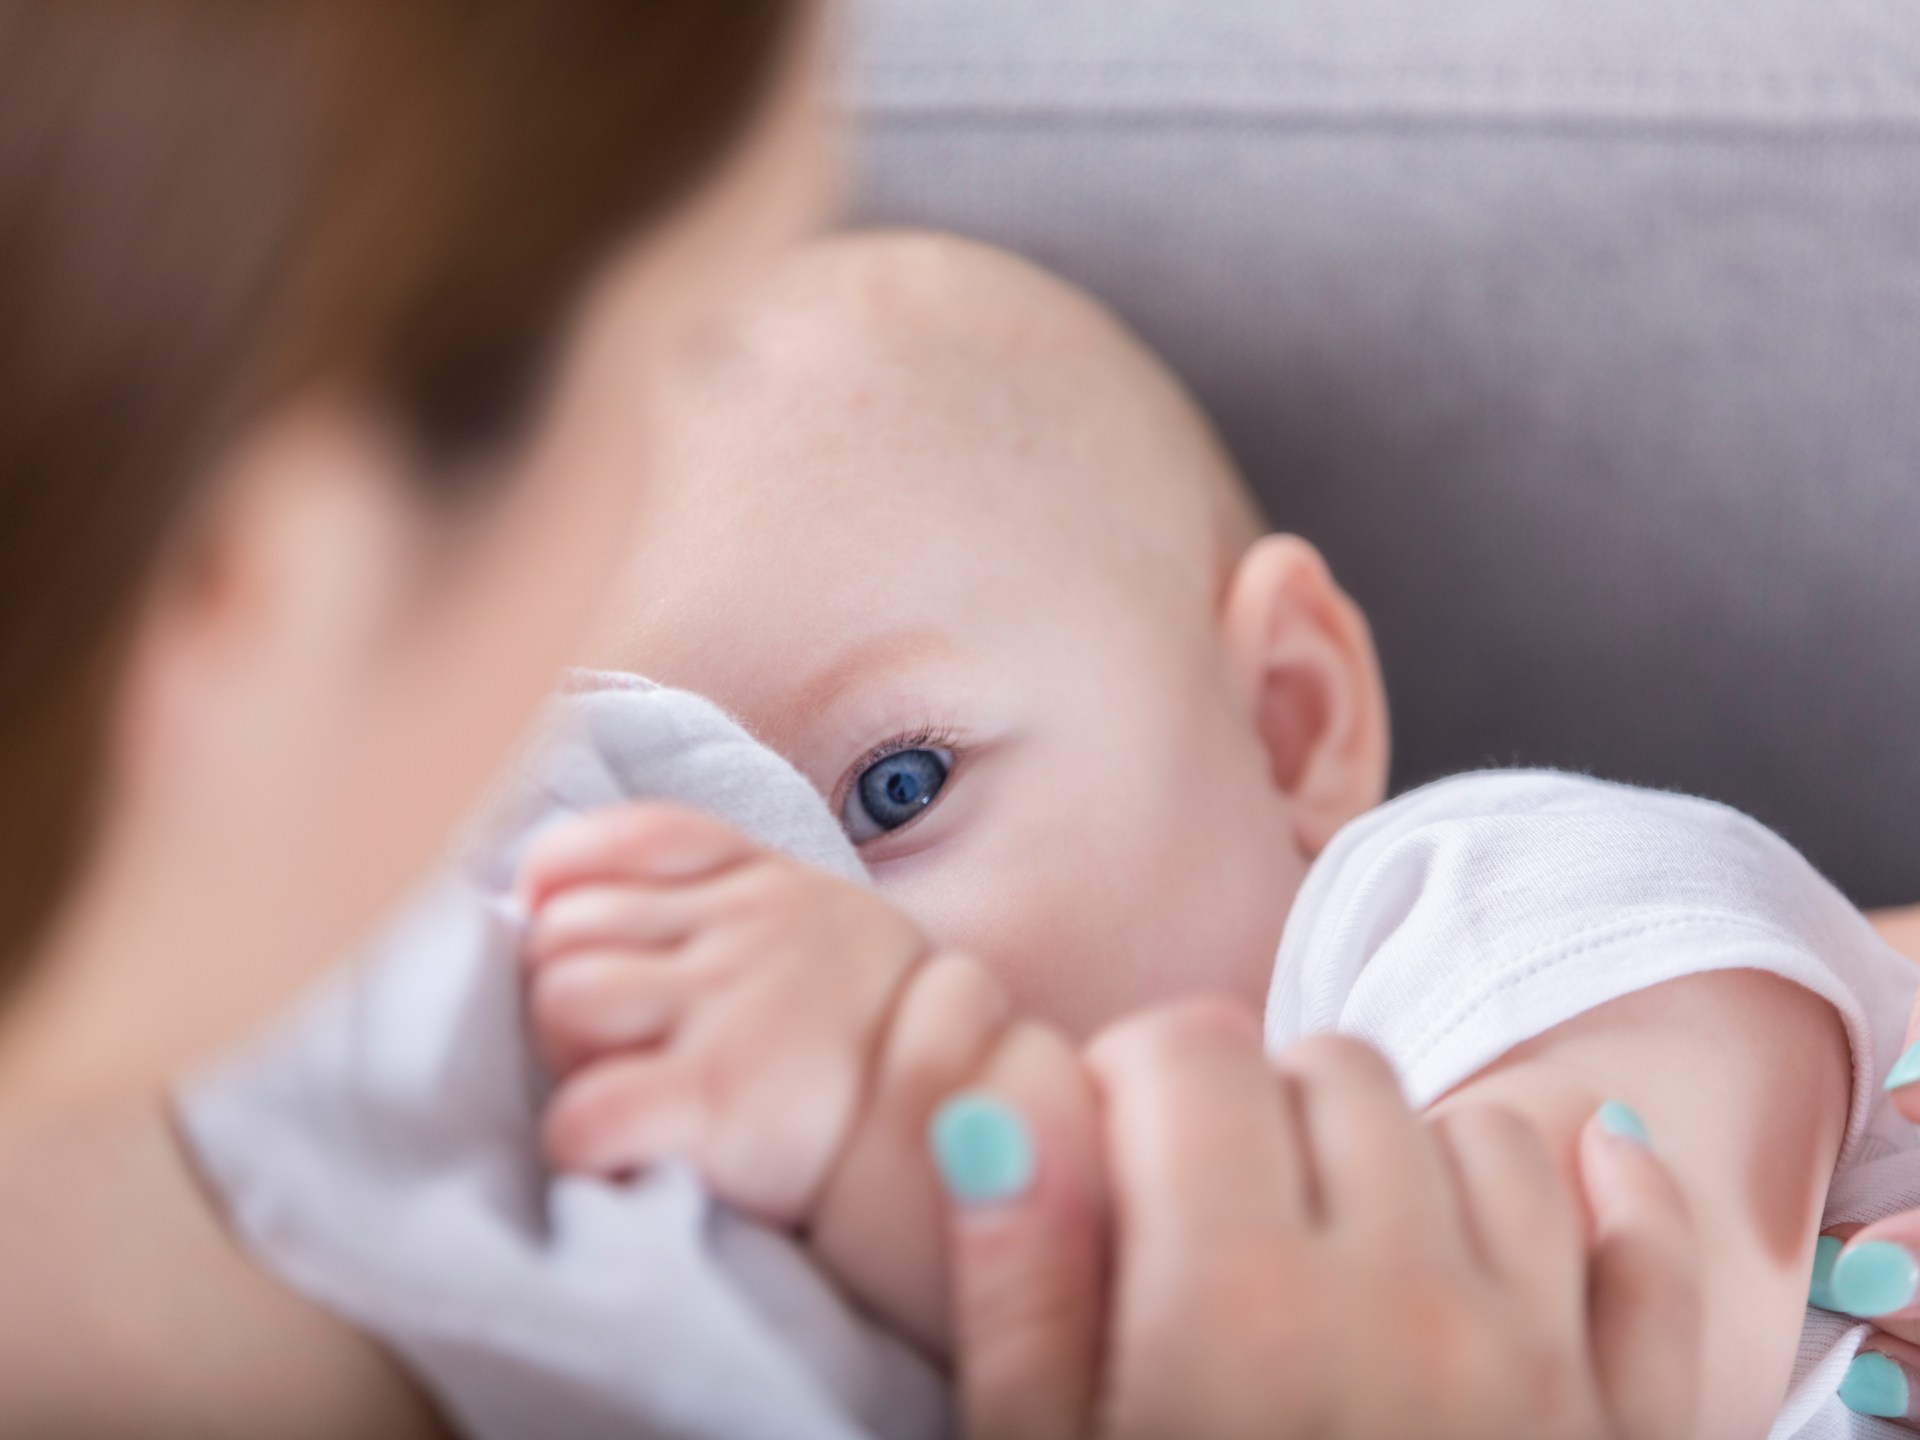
{"type": "Point", "coordinates": [1465, 918]}
{"type": "Point", "coordinates": [377, 1151]}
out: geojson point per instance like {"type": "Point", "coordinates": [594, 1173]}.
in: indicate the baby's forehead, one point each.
{"type": "Point", "coordinates": [920, 434]}
{"type": "Point", "coordinates": [880, 331]}
{"type": "Point", "coordinates": [898, 370]}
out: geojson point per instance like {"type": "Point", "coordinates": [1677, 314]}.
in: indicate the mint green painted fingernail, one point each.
{"type": "Point", "coordinates": [982, 1148]}
{"type": "Point", "coordinates": [1906, 1069]}
{"type": "Point", "coordinates": [1826, 1250]}
{"type": "Point", "coordinates": [1875, 1385]}
{"type": "Point", "coordinates": [1623, 1121]}
{"type": "Point", "coordinates": [1875, 1278]}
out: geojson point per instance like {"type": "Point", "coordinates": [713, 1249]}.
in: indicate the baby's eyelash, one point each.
{"type": "Point", "coordinates": [927, 737]}
{"type": "Point", "coordinates": [930, 736]}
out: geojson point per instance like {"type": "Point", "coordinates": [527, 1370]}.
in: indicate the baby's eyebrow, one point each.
{"type": "Point", "coordinates": [895, 649]}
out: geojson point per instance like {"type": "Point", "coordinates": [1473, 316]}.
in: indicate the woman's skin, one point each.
{"type": "Point", "coordinates": [335, 671]}
{"type": "Point", "coordinates": [339, 668]}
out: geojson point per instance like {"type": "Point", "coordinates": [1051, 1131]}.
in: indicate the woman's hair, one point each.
{"type": "Point", "coordinates": [207, 206]}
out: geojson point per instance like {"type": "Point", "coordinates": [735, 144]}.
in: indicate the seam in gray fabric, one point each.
{"type": "Point", "coordinates": [1489, 78]}
{"type": "Point", "coordinates": [1519, 124]}
{"type": "Point", "coordinates": [1734, 96]}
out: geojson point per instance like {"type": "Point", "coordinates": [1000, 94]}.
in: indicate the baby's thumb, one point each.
{"type": "Point", "coordinates": [1643, 1284]}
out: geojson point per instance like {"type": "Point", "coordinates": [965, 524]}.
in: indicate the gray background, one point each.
{"type": "Point", "coordinates": [1585, 341]}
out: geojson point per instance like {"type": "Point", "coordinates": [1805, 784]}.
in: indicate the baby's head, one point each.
{"type": "Point", "coordinates": [937, 529]}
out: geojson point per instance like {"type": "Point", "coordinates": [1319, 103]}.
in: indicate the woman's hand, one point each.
{"type": "Point", "coordinates": [1296, 1253]}
{"type": "Point", "coordinates": [1874, 1271]}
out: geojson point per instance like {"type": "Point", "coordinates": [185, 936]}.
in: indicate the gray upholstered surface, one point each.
{"type": "Point", "coordinates": [1584, 339]}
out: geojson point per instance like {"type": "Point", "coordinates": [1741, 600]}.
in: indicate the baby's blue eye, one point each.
{"type": "Point", "coordinates": [893, 790]}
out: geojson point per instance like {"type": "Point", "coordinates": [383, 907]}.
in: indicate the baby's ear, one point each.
{"type": "Point", "coordinates": [1304, 658]}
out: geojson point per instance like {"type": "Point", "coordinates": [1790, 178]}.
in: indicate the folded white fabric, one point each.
{"type": "Point", "coordinates": [377, 1151]}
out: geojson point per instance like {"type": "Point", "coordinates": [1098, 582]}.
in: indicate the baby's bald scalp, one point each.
{"type": "Point", "coordinates": [942, 334]}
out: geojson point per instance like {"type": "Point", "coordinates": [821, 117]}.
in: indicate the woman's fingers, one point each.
{"type": "Point", "coordinates": [952, 1014]}
{"type": "Point", "coordinates": [1903, 1081]}
{"type": "Point", "coordinates": [1026, 1306]}
{"type": "Point", "coordinates": [1214, 1231]}
{"type": "Point", "coordinates": [1876, 1274]}
{"type": "Point", "coordinates": [1644, 1296]}
{"type": "Point", "coordinates": [1520, 1221]}
{"type": "Point", "coordinates": [1027, 1243]}
{"type": "Point", "coordinates": [1374, 1162]}
{"type": "Point", "coordinates": [1883, 1381]}
{"type": "Point", "coordinates": [1190, 1097]}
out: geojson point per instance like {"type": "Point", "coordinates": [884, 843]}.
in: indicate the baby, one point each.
{"type": "Point", "coordinates": [941, 533]}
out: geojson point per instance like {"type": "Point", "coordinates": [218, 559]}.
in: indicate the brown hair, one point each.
{"type": "Point", "coordinates": [208, 204]}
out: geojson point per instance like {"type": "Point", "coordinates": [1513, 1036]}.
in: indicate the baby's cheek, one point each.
{"type": "Point", "coordinates": [1080, 954]}
{"type": "Point", "coordinates": [1094, 896]}
{"type": "Point", "coordinates": [1022, 917]}
{"type": "Point", "coordinates": [1206, 919]}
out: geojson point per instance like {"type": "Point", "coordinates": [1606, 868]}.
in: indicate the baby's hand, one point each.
{"type": "Point", "coordinates": [784, 1033]}
{"type": "Point", "coordinates": [700, 998]}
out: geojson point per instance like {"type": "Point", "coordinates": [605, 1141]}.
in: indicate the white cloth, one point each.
{"type": "Point", "coordinates": [377, 1151]}
{"type": "Point", "coordinates": [1462, 919]}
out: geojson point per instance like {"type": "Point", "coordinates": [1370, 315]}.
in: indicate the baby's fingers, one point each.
{"type": "Point", "coordinates": [761, 1143]}
{"type": "Point", "coordinates": [1644, 1295]}
{"type": "Point", "coordinates": [756, 1095]}
{"type": "Point", "coordinates": [621, 1115]}
{"type": "Point", "coordinates": [599, 1002]}
{"type": "Point", "coordinates": [614, 917]}
{"type": "Point", "coordinates": [641, 842]}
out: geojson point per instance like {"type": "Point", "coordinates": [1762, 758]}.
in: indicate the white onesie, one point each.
{"type": "Point", "coordinates": [376, 1150]}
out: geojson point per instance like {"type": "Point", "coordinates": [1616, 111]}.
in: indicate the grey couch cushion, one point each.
{"type": "Point", "coordinates": [1584, 339]}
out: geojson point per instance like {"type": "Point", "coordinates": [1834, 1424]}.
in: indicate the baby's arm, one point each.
{"type": "Point", "coordinates": [1743, 1081]}
{"type": "Point", "coordinates": [785, 1032]}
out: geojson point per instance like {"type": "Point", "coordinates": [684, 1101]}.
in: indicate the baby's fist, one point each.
{"type": "Point", "coordinates": [703, 999]}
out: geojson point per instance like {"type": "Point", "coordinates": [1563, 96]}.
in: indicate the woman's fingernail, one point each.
{"type": "Point", "coordinates": [982, 1148]}
{"type": "Point", "coordinates": [1906, 1069]}
{"type": "Point", "coordinates": [1622, 1121]}
{"type": "Point", "coordinates": [1875, 1278]}
{"type": "Point", "coordinates": [1826, 1250]}
{"type": "Point", "coordinates": [1875, 1385]}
